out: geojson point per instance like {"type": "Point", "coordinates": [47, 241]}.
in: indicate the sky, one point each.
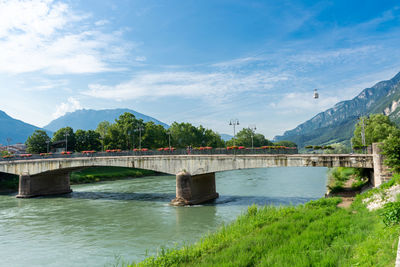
{"type": "Point", "coordinates": [204, 62]}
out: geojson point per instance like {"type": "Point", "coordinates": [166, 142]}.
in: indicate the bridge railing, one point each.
{"type": "Point", "coordinates": [116, 153]}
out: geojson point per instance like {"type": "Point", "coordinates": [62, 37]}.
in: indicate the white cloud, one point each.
{"type": "Point", "coordinates": [70, 106]}
{"type": "Point", "coordinates": [186, 84]}
{"type": "Point", "coordinates": [141, 58]}
{"type": "Point", "coordinates": [43, 35]}
{"type": "Point", "coordinates": [101, 22]}
{"type": "Point", "coordinates": [303, 102]}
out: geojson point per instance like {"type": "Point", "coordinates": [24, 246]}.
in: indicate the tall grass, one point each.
{"type": "Point", "coordinates": [95, 174]}
{"type": "Point", "coordinates": [315, 234]}
{"type": "Point", "coordinates": [337, 178]}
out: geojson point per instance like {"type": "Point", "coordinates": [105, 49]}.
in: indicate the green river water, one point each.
{"type": "Point", "coordinates": [128, 219]}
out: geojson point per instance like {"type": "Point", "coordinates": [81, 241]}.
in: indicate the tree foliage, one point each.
{"type": "Point", "coordinates": [37, 142]}
{"type": "Point", "coordinates": [185, 134]}
{"type": "Point", "coordinates": [377, 128]}
{"type": "Point", "coordinates": [128, 132]}
{"type": "Point", "coordinates": [391, 150]}
{"type": "Point", "coordinates": [87, 140]}
{"type": "Point", "coordinates": [243, 138]}
{"type": "Point", "coordinates": [285, 143]}
{"type": "Point", "coordinates": [154, 136]}
{"type": "Point", "coordinates": [60, 135]}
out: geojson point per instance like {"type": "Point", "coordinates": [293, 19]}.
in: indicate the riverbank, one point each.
{"type": "Point", "coordinates": [318, 233]}
{"type": "Point", "coordinates": [98, 174]}
{"type": "Point", "coordinates": [9, 183]}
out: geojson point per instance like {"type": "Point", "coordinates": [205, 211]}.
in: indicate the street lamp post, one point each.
{"type": "Point", "coordinates": [8, 143]}
{"type": "Point", "coordinates": [252, 129]}
{"type": "Point", "coordinates": [140, 129]}
{"type": "Point", "coordinates": [48, 143]}
{"type": "Point", "coordinates": [169, 139]}
{"type": "Point", "coordinates": [234, 122]}
{"type": "Point", "coordinates": [66, 134]}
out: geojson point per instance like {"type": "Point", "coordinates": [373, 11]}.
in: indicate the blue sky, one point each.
{"type": "Point", "coordinates": [203, 62]}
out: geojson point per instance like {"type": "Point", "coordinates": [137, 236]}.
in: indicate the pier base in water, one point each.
{"type": "Point", "coordinates": [47, 183]}
{"type": "Point", "coordinates": [196, 189]}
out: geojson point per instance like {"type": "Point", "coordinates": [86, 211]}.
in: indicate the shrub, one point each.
{"type": "Point", "coordinates": [391, 213]}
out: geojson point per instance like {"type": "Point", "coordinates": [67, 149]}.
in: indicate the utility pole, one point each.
{"type": "Point", "coordinates": [252, 129]}
{"type": "Point", "coordinates": [234, 122]}
{"type": "Point", "coordinates": [363, 133]}
{"type": "Point", "coordinates": [48, 143]}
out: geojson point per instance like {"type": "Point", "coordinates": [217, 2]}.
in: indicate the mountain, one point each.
{"type": "Point", "coordinates": [17, 130]}
{"type": "Point", "coordinates": [88, 119]}
{"type": "Point", "coordinates": [226, 137]}
{"type": "Point", "coordinates": [337, 124]}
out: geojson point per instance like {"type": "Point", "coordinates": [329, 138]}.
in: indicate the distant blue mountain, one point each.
{"type": "Point", "coordinates": [226, 137]}
{"type": "Point", "coordinates": [17, 130]}
{"type": "Point", "coordinates": [88, 119]}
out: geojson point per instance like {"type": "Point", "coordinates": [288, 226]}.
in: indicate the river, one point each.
{"type": "Point", "coordinates": [125, 220]}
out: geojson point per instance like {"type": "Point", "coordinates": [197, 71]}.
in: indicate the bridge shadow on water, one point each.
{"type": "Point", "coordinates": [223, 200]}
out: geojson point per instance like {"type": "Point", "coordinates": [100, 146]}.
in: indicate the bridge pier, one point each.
{"type": "Point", "coordinates": [47, 183]}
{"type": "Point", "coordinates": [194, 189]}
{"type": "Point", "coordinates": [382, 174]}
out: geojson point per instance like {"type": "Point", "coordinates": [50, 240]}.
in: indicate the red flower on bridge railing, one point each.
{"type": "Point", "coordinates": [88, 152]}
{"type": "Point", "coordinates": [113, 150]}
{"type": "Point", "coordinates": [46, 154]}
{"type": "Point", "coordinates": [241, 147]}
{"type": "Point", "coordinates": [66, 153]}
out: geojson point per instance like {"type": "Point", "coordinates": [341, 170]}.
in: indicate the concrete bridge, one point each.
{"type": "Point", "coordinates": [195, 174]}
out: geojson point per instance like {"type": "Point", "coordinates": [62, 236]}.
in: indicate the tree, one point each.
{"type": "Point", "coordinates": [87, 140]}
{"type": "Point", "coordinates": [154, 136]}
{"type": "Point", "coordinates": [37, 142]}
{"type": "Point", "coordinates": [127, 125]}
{"type": "Point", "coordinates": [377, 128]}
{"type": "Point", "coordinates": [184, 134]}
{"type": "Point", "coordinates": [60, 135]}
{"type": "Point", "coordinates": [243, 138]}
{"type": "Point", "coordinates": [338, 148]}
{"type": "Point", "coordinates": [391, 150]}
{"type": "Point", "coordinates": [212, 138]}
{"type": "Point", "coordinates": [286, 143]}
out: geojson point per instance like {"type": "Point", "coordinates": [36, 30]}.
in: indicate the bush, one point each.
{"type": "Point", "coordinates": [391, 213]}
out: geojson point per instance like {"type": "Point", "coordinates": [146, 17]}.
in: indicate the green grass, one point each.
{"type": "Point", "coordinates": [96, 174]}
{"type": "Point", "coordinates": [8, 182]}
{"type": "Point", "coordinates": [338, 176]}
{"type": "Point", "coordinates": [315, 234]}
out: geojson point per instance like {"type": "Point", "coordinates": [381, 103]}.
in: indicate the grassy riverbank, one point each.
{"type": "Point", "coordinates": [9, 183]}
{"type": "Point", "coordinates": [342, 178]}
{"type": "Point", "coordinates": [315, 234]}
{"type": "Point", "coordinates": [97, 174]}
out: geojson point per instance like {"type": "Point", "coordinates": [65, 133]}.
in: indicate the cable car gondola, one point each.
{"type": "Point", "coordinates": [316, 95]}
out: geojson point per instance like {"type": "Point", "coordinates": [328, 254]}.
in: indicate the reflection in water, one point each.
{"type": "Point", "coordinates": [126, 218]}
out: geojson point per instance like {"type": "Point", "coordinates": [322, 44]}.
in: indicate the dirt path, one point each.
{"type": "Point", "coordinates": [346, 202]}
